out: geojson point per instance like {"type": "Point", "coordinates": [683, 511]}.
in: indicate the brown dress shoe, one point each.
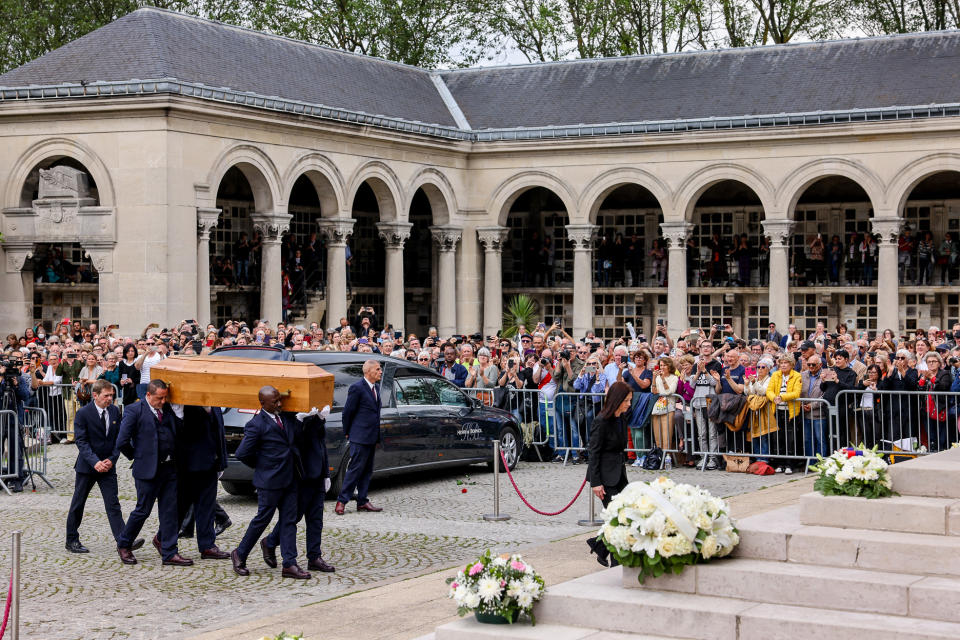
{"type": "Point", "coordinates": [136, 544]}
{"type": "Point", "coordinates": [157, 545]}
{"type": "Point", "coordinates": [239, 567]}
{"type": "Point", "coordinates": [367, 506]}
{"type": "Point", "coordinates": [293, 571]}
{"type": "Point", "coordinates": [269, 554]}
{"type": "Point", "coordinates": [126, 556]}
{"type": "Point", "coordinates": [319, 564]}
{"type": "Point", "coordinates": [214, 553]}
{"type": "Point", "coordinates": [339, 508]}
{"type": "Point", "coordinates": [178, 561]}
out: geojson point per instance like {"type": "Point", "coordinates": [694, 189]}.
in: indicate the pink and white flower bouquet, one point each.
{"type": "Point", "coordinates": [503, 585]}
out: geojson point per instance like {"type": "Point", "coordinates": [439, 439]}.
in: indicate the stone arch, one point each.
{"type": "Point", "coordinates": [325, 177]}
{"type": "Point", "coordinates": [915, 172]}
{"type": "Point", "coordinates": [686, 197]}
{"type": "Point", "coordinates": [386, 187]}
{"type": "Point", "coordinates": [606, 183]}
{"type": "Point", "coordinates": [792, 188]}
{"type": "Point", "coordinates": [439, 191]}
{"type": "Point", "coordinates": [260, 172]}
{"type": "Point", "coordinates": [58, 147]}
{"type": "Point", "coordinates": [512, 188]}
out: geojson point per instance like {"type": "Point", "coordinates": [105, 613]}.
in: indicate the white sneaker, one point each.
{"type": "Point", "coordinates": [636, 463]}
{"type": "Point", "coordinates": [779, 469]}
{"type": "Point", "coordinates": [788, 471]}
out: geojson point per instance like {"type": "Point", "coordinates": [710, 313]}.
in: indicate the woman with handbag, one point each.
{"type": "Point", "coordinates": [606, 470]}
{"type": "Point", "coordinates": [661, 418]}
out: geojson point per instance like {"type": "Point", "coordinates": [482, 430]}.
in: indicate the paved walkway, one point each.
{"type": "Point", "coordinates": [414, 607]}
{"type": "Point", "coordinates": [428, 525]}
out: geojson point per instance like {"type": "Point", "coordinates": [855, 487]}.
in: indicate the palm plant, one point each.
{"type": "Point", "coordinates": [521, 310]}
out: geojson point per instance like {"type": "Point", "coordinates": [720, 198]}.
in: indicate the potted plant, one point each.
{"type": "Point", "coordinates": [497, 589]}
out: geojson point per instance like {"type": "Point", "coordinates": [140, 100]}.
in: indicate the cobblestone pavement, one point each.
{"type": "Point", "coordinates": [428, 523]}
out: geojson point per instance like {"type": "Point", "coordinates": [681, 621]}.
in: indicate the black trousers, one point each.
{"type": "Point", "coordinates": [609, 492]}
{"type": "Point", "coordinates": [198, 490]}
{"type": "Point", "coordinates": [269, 501]}
{"type": "Point", "coordinates": [161, 489]}
{"type": "Point", "coordinates": [310, 495]}
{"type": "Point", "coordinates": [108, 491]}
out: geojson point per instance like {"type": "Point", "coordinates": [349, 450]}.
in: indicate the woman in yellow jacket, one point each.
{"type": "Point", "coordinates": [783, 390]}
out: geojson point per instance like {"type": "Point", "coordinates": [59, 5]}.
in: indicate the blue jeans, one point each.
{"type": "Point", "coordinates": [142, 390]}
{"type": "Point", "coordinates": [814, 437]}
{"type": "Point", "coordinates": [547, 421]}
{"type": "Point", "coordinates": [761, 445]}
{"type": "Point", "coordinates": [242, 268]}
{"type": "Point", "coordinates": [565, 428]}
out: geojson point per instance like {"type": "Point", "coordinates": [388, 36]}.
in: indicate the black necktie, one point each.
{"type": "Point", "coordinates": [103, 421]}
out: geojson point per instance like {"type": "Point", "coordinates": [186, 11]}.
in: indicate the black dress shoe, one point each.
{"type": "Point", "coordinates": [239, 567]}
{"type": "Point", "coordinates": [16, 486]}
{"type": "Point", "coordinates": [136, 544]}
{"type": "Point", "coordinates": [269, 554]}
{"type": "Point", "coordinates": [76, 547]}
{"type": "Point", "coordinates": [319, 564]}
{"type": "Point", "coordinates": [222, 526]}
{"type": "Point", "coordinates": [293, 571]}
{"type": "Point", "coordinates": [178, 561]}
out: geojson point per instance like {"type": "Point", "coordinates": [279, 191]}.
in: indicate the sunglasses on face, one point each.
{"type": "Point", "coordinates": [812, 365]}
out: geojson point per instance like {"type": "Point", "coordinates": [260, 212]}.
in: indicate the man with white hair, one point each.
{"type": "Point", "coordinates": [618, 365]}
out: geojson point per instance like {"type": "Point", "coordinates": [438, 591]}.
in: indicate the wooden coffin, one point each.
{"type": "Point", "coordinates": [236, 382]}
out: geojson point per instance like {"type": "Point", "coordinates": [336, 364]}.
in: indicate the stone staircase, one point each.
{"type": "Point", "coordinates": [312, 310]}
{"type": "Point", "coordinates": [829, 568]}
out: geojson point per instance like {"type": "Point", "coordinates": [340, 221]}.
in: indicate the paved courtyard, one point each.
{"type": "Point", "coordinates": [428, 523]}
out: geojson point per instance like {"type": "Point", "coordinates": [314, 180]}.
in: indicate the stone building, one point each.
{"type": "Point", "coordinates": [144, 149]}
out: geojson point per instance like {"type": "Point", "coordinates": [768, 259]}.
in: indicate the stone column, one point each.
{"type": "Point", "coordinates": [272, 228]}
{"type": "Point", "coordinates": [16, 288]}
{"type": "Point", "coordinates": [675, 233]}
{"type": "Point", "coordinates": [582, 237]}
{"type": "Point", "coordinates": [779, 284]}
{"type": "Point", "coordinates": [336, 231]}
{"type": "Point", "coordinates": [394, 235]}
{"type": "Point", "coordinates": [447, 237]}
{"type": "Point", "coordinates": [492, 239]}
{"type": "Point", "coordinates": [888, 281]}
{"type": "Point", "coordinates": [206, 220]}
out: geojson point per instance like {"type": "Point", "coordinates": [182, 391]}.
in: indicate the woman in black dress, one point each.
{"type": "Point", "coordinates": [129, 375]}
{"type": "Point", "coordinates": [608, 439]}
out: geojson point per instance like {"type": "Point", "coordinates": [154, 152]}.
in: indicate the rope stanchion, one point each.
{"type": "Point", "coordinates": [533, 508]}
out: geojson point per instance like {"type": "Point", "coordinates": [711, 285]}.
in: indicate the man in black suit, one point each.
{"type": "Point", "coordinates": [201, 456]}
{"type": "Point", "coordinates": [311, 442]}
{"type": "Point", "coordinates": [96, 427]}
{"type": "Point", "coordinates": [268, 446]}
{"type": "Point", "coordinates": [361, 425]}
{"type": "Point", "coordinates": [147, 436]}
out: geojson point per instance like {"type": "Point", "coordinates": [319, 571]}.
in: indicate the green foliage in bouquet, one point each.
{"type": "Point", "coordinates": [503, 585]}
{"type": "Point", "coordinates": [857, 472]}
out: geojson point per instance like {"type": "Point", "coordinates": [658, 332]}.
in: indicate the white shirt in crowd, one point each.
{"type": "Point", "coordinates": [146, 365]}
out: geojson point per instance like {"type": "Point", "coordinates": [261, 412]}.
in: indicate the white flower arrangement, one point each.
{"type": "Point", "coordinates": [663, 526]}
{"type": "Point", "coordinates": [503, 585]}
{"type": "Point", "coordinates": [853, 472]}
{"type": "Point", "coordinates": [283, 636]}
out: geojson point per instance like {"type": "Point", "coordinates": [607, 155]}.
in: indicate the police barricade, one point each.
{"type": "Point", "coordinates": [574, 414]}
{"type": "Point", "coordinates": [743, 429]}
{"type": "Point", "coordinates": [533, 412]}
{"type": "Point", "coordinates": [59, 403]}
{"type": "Point", "coordinates": [901, 424]}
{"type": "Point", "coordinates": [34, 439]}
{"type": "Point", "coordinates": [10, 460]}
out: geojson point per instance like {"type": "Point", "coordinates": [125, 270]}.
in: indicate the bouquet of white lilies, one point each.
{"type": "Point", "coordinates": [853, 472]}
{"type": "Point", "coordinates": [663, 526]}
{"type": "Point", "coordinates": [503, 585]}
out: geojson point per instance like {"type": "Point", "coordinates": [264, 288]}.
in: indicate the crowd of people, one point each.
{"type": "Point", "coordinates": [718, 378]}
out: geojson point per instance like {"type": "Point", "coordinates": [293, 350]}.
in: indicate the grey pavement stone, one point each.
{"type": "Point", "coordinates": [428, 523]}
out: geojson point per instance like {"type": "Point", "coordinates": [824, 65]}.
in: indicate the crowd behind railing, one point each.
{"type": "Point", "coordinates": [705, 396]}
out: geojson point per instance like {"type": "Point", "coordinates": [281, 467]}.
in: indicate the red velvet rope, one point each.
{"type": "Point", "coordinates": [532, 508]}
{"type": "Point", "coordinates": [6, 609]}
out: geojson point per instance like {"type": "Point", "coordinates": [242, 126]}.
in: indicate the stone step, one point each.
{"type": "Point", "coordinates": [469, 629]}
{"type": "Point", "coordinates": [910, 514]}
{"type": "Point", "coordinates": [806, 585]}
{"type": "Point", "coordinates": [934, 476]}
{"type": "Point", "coordinates": [781, 622]}
{"type": "Point", "coordinates": [778, 535]}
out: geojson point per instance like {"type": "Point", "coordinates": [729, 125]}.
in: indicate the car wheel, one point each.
{"type": "Point", "coordinates": [510, 445]}
{"type": "Point", "coordinates": [337, 481]}
{"type": "Point", "coordinates": [238, 488]}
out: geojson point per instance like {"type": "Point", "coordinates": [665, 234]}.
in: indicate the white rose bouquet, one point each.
{"type": "Point", "coordinates": [663, 526]}
{"type": "Point", "coordinates": [503, 585]}
{"type": "Point", "coordinates": [853, 472]}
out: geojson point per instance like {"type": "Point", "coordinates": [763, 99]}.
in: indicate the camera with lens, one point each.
{"type": "Point", "coordinates": [564, 355]}
{"type": "Point", "coordinates": [11, 367]}
{"type": "Point", "coordinates": [953, 361]}
{"type": "Point", "coordinates": [545, 362]}
{"type": "Point", "coordinates": [511, 363]}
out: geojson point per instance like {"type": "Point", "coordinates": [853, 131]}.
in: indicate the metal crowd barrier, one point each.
{"type": "Point", "coordinates": [770, 434]}
{"type": "Point", "coordinates": [10, 463]}
{"type": "Point", "coordinates": [35, 439]}
{"type": "Point", "coordinates": [60, 404]}
{"type": "Point", "coordinates": [902, 424]}
{"type": "Point", "coordinates": [535, 416]}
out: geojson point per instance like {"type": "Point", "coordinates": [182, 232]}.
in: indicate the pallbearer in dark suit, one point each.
{"type": "Point", "coordinates": [147, 436]}
{"type": "Point", "coordinates": [268, 446]}
{"type": "Point", "coordinates": [361, 425]}
{"type": "Point", "coordinates": [201, 456]}
{"type": "Point", "coordinates": [311, 442]}
{"type": "Point", "coordinates": [95, 427]}
{"type": "Point", "coordinates": [608, 439]}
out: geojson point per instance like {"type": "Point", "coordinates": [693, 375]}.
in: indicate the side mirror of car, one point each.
{"type": "Point", "coordinates": [477, 403]}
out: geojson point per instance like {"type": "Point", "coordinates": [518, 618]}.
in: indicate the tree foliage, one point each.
{"type": "Point", "coordinates": [452, 33]}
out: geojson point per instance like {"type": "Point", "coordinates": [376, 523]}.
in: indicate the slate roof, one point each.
{"type": "Point", "coordinates": [894, 74]}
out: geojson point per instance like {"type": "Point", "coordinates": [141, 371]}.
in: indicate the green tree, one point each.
{"type": "Point", "coordinates": [537, 28]}
{"type": "Point", "coordinates": [876, 17]}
